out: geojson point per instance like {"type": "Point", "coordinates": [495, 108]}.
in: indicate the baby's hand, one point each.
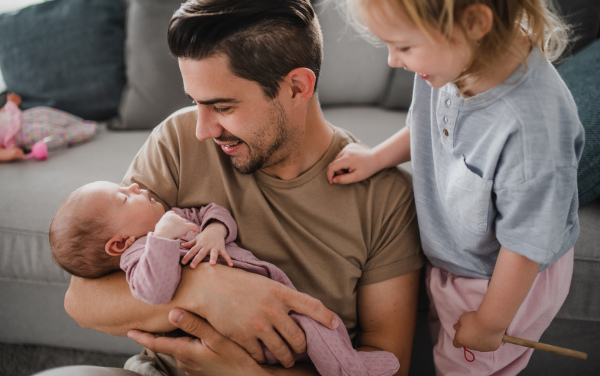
{"type": "Point", "coordinates": [210, 241]}
{"type": "Point", "coordinates": [354, 163]}
{"type": "Point", "coordinates": [172, 226]}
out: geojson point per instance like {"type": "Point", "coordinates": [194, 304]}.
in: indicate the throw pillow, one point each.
{"type": "Point", "coordinates": [398, 95]}
{"type": "Point", "coordinates": [154, 85]}
{"type": "Point", "coordinates": [581, 75]}
{"type": "Point", "coordinates": [66, 54]}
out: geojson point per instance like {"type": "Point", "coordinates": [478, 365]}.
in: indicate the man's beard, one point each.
{"type": "Point", "coordinates": [262, 154]}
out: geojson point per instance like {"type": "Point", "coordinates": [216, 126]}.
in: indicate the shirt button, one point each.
{"type": "Point", "coordinates": [445, 119]}
{"type": "Point", "coordinates": [448, 102]}
{"type": "Point", "coordinates": [445, 131]}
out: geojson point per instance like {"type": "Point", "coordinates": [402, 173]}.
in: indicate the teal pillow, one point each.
{"type": "Point", "coordinates": [66, 54]}
{"type": "Point", "coordinates": [581, 73]}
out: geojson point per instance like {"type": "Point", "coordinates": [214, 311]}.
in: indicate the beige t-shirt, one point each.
{"type": "Point", "coordinates": [329, 239]}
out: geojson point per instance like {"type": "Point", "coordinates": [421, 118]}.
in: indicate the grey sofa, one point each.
{"type": "Point", "coordinates": [358, 92]}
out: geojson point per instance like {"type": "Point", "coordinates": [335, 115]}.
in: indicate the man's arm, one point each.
{"type": "Point", "coordinates": [387, 314]}
{"type": "Point", "coordinates": [245, 307]}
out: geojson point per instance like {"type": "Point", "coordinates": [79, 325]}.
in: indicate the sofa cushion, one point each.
{"type": "Point", "coordinates": [66, 54]}
{"type": "Point", "coordinates": [154, 86]}
{"type": "Point", "coordinates": [583, 302]}
{"type": "Point", "coordinates": [32, 191]}
{"type": "Point", "coordinates": [399, 90]}
{"type": "Point", "coordinates": [581, 75]}
{"type": "Point", "coordinates": [583, 16]}
{"type": "Point", "coordinates": [354, 71]}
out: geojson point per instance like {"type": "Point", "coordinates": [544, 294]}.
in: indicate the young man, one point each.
{"type": "Point", "coordinates": [261, 149]}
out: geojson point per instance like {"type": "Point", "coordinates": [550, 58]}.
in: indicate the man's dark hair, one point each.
{"type": "Point", "coordinates": [263, 39]}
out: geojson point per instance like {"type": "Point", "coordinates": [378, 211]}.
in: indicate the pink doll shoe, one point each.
{"type": "Point", "coordinates": [39, 150]}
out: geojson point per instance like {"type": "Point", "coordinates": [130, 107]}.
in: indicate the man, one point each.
{"type": "Point", "coordinates": [261, 149]}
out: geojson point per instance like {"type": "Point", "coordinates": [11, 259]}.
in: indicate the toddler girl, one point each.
{"type": "Point", "coordinates": [494, 139]}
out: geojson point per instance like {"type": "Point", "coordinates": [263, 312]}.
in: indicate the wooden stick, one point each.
{"type": "Point", "coordinates": [544, 347]}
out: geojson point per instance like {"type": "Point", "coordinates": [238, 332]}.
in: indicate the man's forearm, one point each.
{"type": "Point", "coordinates": [106, 305]}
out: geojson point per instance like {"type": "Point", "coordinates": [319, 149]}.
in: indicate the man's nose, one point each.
{"type": "Point", "coordinates": [207, 126]}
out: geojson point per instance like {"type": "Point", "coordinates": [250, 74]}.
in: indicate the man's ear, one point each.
{"type": "Point", "coordinates": [118, 244]}
{"type": "Point", "coordinates": [477, 21]}
{"type": "Point", "coordinates": [302, 84]}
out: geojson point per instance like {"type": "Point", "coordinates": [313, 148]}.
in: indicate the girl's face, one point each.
{"type": "Point", "coordinates": [434, 58]}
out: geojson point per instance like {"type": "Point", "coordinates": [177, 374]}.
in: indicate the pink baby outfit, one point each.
{"type": "Point", "coordinates": [25, 128]}
{"type": "Point", "coordinates": [153, 269]}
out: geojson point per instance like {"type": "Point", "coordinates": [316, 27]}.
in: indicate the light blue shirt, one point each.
{"type": "Point", "coordinates": [496, 169]}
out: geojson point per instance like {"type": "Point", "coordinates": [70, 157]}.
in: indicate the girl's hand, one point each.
{"type": "Point", "coordinates": [210, 241]}
{"type": "Point", "coordinates": [472, 334]}
{"type": "Point", "coordinates": [172, 226]}
{"type": "Point", "coordinates": [354, 163]}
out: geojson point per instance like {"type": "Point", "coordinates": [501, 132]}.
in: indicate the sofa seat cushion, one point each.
{"type": "Point", "coordinates": [583, 302]}
{"type": "Point", "coordinates": [33, 190]}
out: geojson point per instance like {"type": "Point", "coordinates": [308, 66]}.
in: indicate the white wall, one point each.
{"type": "Point", "coordinates": [8, 5]}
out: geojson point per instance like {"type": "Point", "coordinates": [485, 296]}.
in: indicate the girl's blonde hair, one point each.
{"type": "Point", "coordinates": [534, 17]}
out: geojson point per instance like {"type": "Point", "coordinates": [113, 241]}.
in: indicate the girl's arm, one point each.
{"type": "Point", "coordinates": [511, 281]}
{"type": "Point", "coordinates": [395, 150]}
{"type": "Point", "coordinates": [356, 162]}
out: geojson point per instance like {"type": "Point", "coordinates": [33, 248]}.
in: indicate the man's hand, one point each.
{"type": "Point", "coordinates": [250, 309]}
{"type": "Point", "coordinates": [205, 353]}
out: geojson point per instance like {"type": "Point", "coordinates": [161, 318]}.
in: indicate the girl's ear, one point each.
{"type": "Point", "coordinates": [477, 21]}
{"type": "Point", "coordinates": [118, 244]}
{"type": "Point", "coordinates": [301, 82]}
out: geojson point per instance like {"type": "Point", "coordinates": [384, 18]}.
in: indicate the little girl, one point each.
{"type": "Point", "coordinates": [494, 139]}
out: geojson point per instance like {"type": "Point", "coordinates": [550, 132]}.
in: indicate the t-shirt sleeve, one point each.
{"type": "Point", "coordinates": [535, 185]}
{"type": "Point", "coordinates": [156, 166]}
{"type": "Point", "coordinates": [395, 247]}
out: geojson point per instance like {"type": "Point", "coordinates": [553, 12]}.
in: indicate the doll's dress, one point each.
{"type": "Point", "coordinates": [25, 128]}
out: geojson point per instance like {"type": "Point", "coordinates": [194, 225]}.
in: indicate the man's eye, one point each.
{"type": "Point", "coordinates": [221, 110]}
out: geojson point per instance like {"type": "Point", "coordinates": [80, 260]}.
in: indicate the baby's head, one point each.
{"type": "Point", "coordinates": [476, 33]}
{"type": "Point", "coordinates": [97, 223]}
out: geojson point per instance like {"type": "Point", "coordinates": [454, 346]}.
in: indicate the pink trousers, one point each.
{"type": "Point", "coordinates": [450, 296]}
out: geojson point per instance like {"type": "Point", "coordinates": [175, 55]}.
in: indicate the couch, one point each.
{"type": "Point", "coordinates": [133, 83]}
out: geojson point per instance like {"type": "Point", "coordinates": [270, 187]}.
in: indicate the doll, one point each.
{"type": "Point", "coordinates": [22, 131]}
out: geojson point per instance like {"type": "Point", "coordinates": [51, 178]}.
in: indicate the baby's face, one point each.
{"type": "Point", "coordinates": [129, 210]}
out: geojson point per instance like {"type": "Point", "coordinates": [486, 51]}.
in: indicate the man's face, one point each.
{"type": "Point", "coordinates": [252, 129]}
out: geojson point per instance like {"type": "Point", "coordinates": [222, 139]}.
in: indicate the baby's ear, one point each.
{"type": "Point", "coordinates": [118, 244]}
